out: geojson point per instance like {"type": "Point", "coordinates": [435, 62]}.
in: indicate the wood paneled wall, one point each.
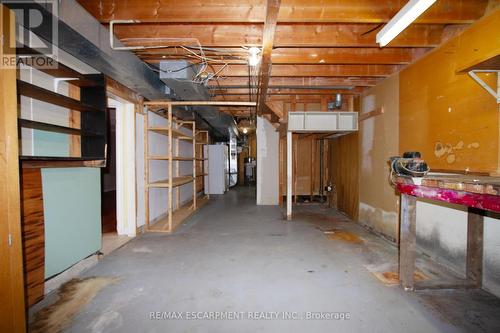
{"type": "Point", "coordinates": [33, 234]}
{"type": "Point", "coordinates": [344, 162]}
{"type": "Point", "coordinates": [447, 116]}
{"type": "Point", "coordinates": [306, 164]}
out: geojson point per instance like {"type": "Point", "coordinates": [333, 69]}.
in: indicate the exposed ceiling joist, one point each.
{"type": "Point", "coordinates": [316, 70]}
{"type": "Point", "coordinates": [287, 35]}
{"type": "Point", "coordinates": [272, 10]}
{"type": "Point", "coordinates": [318, 11]}
{"type": "Point", "coordinates": [311, 55]}
{"type": "Point", "coordinates": [309, 81]}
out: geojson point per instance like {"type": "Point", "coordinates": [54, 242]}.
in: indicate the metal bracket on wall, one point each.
{"type": "Point", "coordinates": [483, 84]}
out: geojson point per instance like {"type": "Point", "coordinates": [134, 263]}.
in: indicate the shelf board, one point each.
{"type": "Point", "coordinates": [201, 159]}
{"type": "Point", "coordinates": [60, 70]}
{"type": "Point", "coordinates": [174, 158]}
{"type": "Point", "coordinates": [26, 123]}
{"type": "Point", "coordinates": [60, 162]}
{"type": "Point", "coordinates": [48, 127]}
{"type": "Point", "coordinates": [41, 94]}
{"type": "Point", "coordinates": [492, 63]}
{"type": "Point", "coordinates": [176, 181]}
{"type": "Point", "coordinates": [175, 133]}
{"type": "Point", "coordinates": [202, 174]}
{"type": "Point", "coordinates": [178, 216]}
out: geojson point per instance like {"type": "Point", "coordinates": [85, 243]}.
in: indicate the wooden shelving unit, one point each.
{"type": "Point", "coordinates": [202, 139]}
{"type": "Point", "coordinates": [91, 110]}
{"type": "Point", "coordinates": [174, 180]}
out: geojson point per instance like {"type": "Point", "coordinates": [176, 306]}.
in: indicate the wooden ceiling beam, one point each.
{"type": "Point", "coordinates": [317, 11]}
{"type": "Point", "coordinates": [316, 70]}
{"type": "Point", "coordinates": [285, 91]}
{"type": "Point", "coordinates": [312, 55]}
{"type": "Point", "coordinates": [286, 35]}
{"type": "Point", "coordinates": [265, 67]}
{"type": "Point", "coordinates": [309, 81]}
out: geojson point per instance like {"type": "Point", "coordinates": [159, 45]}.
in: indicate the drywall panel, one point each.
{"type": "Point", "coordinates": [491, 259]}
{"type": "Point", "coordinates": [379, 140]}
{"type": "Point", "coordinates": [72, 207]}
{"type": "Point", "coordinates": [267, 163]}
{"type": "Point", "coordinates": [447, 116]}
{"type": "Point", "coordinates": [442, 235]}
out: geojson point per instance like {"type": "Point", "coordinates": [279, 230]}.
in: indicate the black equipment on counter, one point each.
{"type": "Point", "coordinates": [411, 164]}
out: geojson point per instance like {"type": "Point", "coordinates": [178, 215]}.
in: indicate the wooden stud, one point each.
{"type": "Point", "coordinates": [146, 170]}
{"type": "Point", "coordinates": [194, 166]}
{"type": "Point", "coordinates": [474, 265]}
{"type": "Point", "coordinates": [178, 189]}
{"type": "Point", "coordinates": [289, 175]}
{"type": "Point", "coordinates": [170, 166]}
{"type": "Point", "coordinates": [407, 241]}
{"type": "Point", "coordinates": [12, 306]}
{"type": "Point", "coordinates": [75, 146]}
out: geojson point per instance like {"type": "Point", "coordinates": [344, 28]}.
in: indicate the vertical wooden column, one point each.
{"type": "Point", "coordinates": [170, 166]}
{"type": "Point", "coordinates": [289, 175]}
{"type": "Point", "coordinates": [146, 170]}
{"type": "Point", "coordinates": [177, 169]}
{"type": "Point", "coordinates": [75, 146]}
{"type": "Point", "coordinates": [474, 265]}
{"type": "Point", "coordinates": [12, 310]}
{"type": "Point", "coordinates": [407, 241]}
{"type": "Point", "coordinates": [194, 165]}
{"type": "Point", "coordinates": [281, 162]}
{"type": "Point", "coordinates": [295, 148]}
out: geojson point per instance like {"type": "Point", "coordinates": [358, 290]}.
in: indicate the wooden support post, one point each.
{"type": "Point", "coordinates": [146, 170]}
{"type": "Point", "coordinates": [177, 174]}
{"type": "Point", "coordinates": [474, 266]}
{"type": "Point", "coordinates": [407, 241]}
{"type": "Point", "coordinates": [170, 165]}
{"type": "Point", "coordinates": [194, 166]}
{"type": "Point", "coordinates": [289, 175]}
{"type": "Point", "coordinates": [295, 160]}
{"type": "Point", "coordinates": [282, 161]}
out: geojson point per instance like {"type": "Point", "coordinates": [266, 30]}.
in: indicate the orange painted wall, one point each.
{"type": "Point", "coordinates": [447, 116]}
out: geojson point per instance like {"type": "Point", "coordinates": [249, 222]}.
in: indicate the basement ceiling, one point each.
{"type": "Point", "coordinates": [317, 48]}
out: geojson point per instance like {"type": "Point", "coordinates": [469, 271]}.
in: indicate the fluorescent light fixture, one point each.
{"type": "Point", "coordinates": [253, 56]}
{"type": "Point", "coordinates": [407, 14]}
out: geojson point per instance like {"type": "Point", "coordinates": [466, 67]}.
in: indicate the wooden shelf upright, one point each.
{"type": "Point", "coordinates": [202, 139]}
{"type": "Point", "coordinates": [172, 131]}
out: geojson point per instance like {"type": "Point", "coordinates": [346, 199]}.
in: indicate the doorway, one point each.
{"type": "Point", "coordinates": [108, 177]}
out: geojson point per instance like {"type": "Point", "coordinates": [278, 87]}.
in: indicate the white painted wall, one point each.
{"type": "Point", "coordinates": [125, 167]}
{"type": "Point", "coordinates": [442, 234]}
{"type": "Point", "coordinates": [267, 163]}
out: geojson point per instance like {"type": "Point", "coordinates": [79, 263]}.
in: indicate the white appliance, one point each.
{"type": "Point", "coordinates": [218, 169]}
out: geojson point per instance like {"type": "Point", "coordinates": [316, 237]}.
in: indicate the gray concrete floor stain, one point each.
{"type": "Point", "coordinates": [235, 256]}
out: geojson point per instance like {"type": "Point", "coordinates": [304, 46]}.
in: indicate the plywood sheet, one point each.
{"type": "Point", "coordinates": [447, 116]}
{"type": "Point", "coordinates": [344, 162]}
{"type": "Point", "coordinates": [33, 232]}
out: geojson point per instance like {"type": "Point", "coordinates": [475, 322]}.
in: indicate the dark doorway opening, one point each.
{"type": "Point", "coordinates": [108, 178]}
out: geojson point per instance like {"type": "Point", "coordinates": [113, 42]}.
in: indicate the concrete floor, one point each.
{"type": "Point", "coordinates": [235, 256]}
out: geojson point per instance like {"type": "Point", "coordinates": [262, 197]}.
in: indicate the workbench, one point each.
{"type": "Point", "coordinates": [479, 194]}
